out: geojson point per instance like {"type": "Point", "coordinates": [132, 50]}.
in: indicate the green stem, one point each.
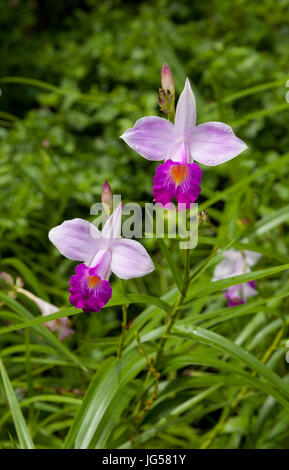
{"type": "Point", "coordinates": [28, 370]}
{"type": "Point", "coordinates": [177, 307]}
{"type": "Point", "coordinates": [123, 324]}
{"type": "Point", "coordinates": [171, 116]}
{"type": "Point", "coordinates": [173, 317]}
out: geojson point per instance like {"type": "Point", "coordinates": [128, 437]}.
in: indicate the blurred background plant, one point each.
{"type": "Point", "coordinates": [74, 76]}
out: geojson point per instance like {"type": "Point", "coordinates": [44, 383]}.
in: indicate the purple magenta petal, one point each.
{"type": "Point", "coordinates": [152, 137]}
{"type": "Point", "coordinates": [186, 112]}
{"type": "Point", "coordinates": [76, 239]}
{"type": "Point", "coordinates": [213, 143]}
{"type": "Point", "coordinates": [238, 295]}
{"type": "Point", "coordinates": [130, 259]}
{"type": "Point", "coordinates": [235, 262]}
{"type": "Point", "coordinates": [88, 291]}
{"type": "Point", "coordinates": [252, 284]}
{"type": "Point", "coordinates": [233, 297]}
{"type": "Point", "coordinates": [176, 180]}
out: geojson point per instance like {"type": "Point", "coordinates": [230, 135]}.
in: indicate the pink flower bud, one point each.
{"type": "Point", "coordinates": [106, 197]}
{"type": "Point", "coordinates": [46, 143]}
{"type": "Point", "coordinates": [167, 79]}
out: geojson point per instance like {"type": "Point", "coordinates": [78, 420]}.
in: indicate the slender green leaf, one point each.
{"type": "Point", "coordinates": [171, 262]}
{"type": "Point", "coordinates": [225, 345]}
{"type": "Point", "coordinates": [23, 434]}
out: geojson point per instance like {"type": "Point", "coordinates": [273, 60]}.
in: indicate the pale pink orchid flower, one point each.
{"type": "Point", "coordinates": [233, 264]}
{"type": "Point", "coordinates": [101, 253]}
{"type": "Point", "coordinates": [180, 145]}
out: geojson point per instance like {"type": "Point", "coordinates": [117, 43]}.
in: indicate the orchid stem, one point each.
{"type": "Point", "coordinates": [177, 307]}
{"type": "Point", "coordinates": [172, 318]}
{"type": "Point", "coordinates": [28, 371]}
{"type": "Point", "coordinates": [171, 116]}
{"type": "Point", "coordinates": [124, 322]}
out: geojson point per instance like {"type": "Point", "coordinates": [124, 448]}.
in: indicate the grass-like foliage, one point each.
{"type": "Point", "coordinates": [165, 364]}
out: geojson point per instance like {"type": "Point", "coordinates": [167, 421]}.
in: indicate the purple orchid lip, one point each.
{"type": "Point", "coordinates": [177, 180]}
{"type": "Point", "coordinates": [237, 295]}
{"type": "Point", "coordinates": [88, 290]}
{"type": "Point", "coordinates": [234, 263]}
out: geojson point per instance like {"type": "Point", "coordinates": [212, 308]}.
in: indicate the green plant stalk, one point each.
{"type": "Point", "coordinates": [177, 307]}
{"type": "Point", "coordinates": [226, 412]}
{"type": "Point", "coordinates": [171, 116]}
{"type": "Point", "coordinates": [28, 370]}
{"type": "Point", "coordinates": [123, 324]}
{"type": "Point", "coordinates": [153, 366]}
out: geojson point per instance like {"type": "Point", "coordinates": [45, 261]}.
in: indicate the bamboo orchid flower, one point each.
{"type": "Point", "coordinates": [233, 264]}
{"type": "Point", "coordinates": [180, 144]}
{"type": "Point", "coordinates": [101, 253]}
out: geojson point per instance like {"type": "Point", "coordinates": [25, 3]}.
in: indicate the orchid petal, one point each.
{"type": "Point", "coordinates": [45, 307]}
{"type": "Point", "coordinates": [251, 257]}
{"type": "Point", "coordinates": [233, 263]}
{"type": "Point", "coordinates": [177, 180]}
{"type": "Point", "coordinates": [112, 227]}
{"type": "Point", "coordinates": [186, 112]}
{"type": "Point", "coordinates": [102, 261]}
{"type": "Point", "coordinates": [130, 259]}
{"type": "Point", "coordinates": [88, 290]}
{"type": "Point", "coordinates": [223, 270]}
{"type": "Point", "coordinates": [76, 239]}
{"type": "Point", "coordinates": [152, 137]}
{"type": "Point", "coordinates": [213, 143]}
{"type": "Point", "coordinates": [248, 290]}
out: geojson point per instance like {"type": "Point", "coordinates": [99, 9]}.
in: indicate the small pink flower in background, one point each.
{"type": "Point", "coordinates": [233, 264]}
{"type": "Point", "coordinates": [45, 143]}
{"type": "Point", "coordinates": [61, 325]}
{"type": "Point", "coordinates": [102, 253]}
{"type": "Point", "coordinates": [179, 144]}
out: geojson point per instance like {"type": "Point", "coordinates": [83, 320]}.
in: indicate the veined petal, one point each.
{"type": "Point", "coordinates": [233, 264]}
{"type": "Point", "coordinates": [152, 137]}
{"type": "Point", "coordinates": [76, 239]}
{"type": "Point", "coordinates": [112, 227]}
{"type": "Point", "coordinates": [102, 262]}
{"type": "Point", "coordinates": [213, 143]}
{"type": "Point", "coordinates": [186, 112]}
{"type": "Point", "coordinates": [177, 180]}
{"type": "Point", "coordinates": [88, 290]}
{"type": "Point", "coordinates": [130, 259]}
{"type": "Point", "coordinates": [227, 267]}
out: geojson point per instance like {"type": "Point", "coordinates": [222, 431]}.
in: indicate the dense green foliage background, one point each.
{"type": "Point", "coordinates": [74, 76]}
